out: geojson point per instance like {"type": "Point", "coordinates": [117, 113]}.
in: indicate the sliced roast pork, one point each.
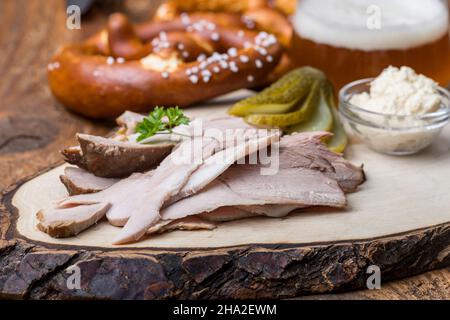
{"type": "Point", "coordinates": [79, 181]}
{"type": "Point", "coordinates": [170, 178]}
{"type": "Point", "coordinates": [188, 223]}
{"type": "Point", "coordinates": [105, 157]}
{"type": "Point", "coordinates": [231, 213]}
{"type": "Point", "coordinates": [243, 185]}
{"type": "Point", "coordinates": [61, 223]}
{"type": "Point", "coordinates": [298, 150]}
{"type": "Point", "coordinates": [144, 195]}
{"type": "Point", "coordinates": [306, 150]}
{"type": "Point", "coordinates": [188, 188]}
{"type": "Point", "coordinates": [120, 195]}
{"type": "Point", "coordinates": [119, 217]}
{"type": "Point", "coordinates": [224, 214]}
{"type": "Point", "coordinates": [128, 121]}
{"type": "Point", "coordinates": [271, 210]}
{"type": "Point", "coordinates": [133, 193]}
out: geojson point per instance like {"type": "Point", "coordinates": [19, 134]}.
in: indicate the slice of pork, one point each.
{"type": "Point", "coordinates": [61, 223]}
{"type": "Point", "coordinates": [271, 210]}
{"type": "Point", "coordinates": [79, 181]}
{"type": "Point", "coordinates": [232, 213]}
{"type": "Point", "coordinates": [119, 195]}
{"type": "Point", "coordinates": [306, 150]}
{"type": "Point", "coordinates": [225, 214]}
{"type": "Point", "coordinates": [188, 224]}
{"type": "Point", "coordinates": [243, 185]}
{"type": "Point", "coordinates": [128, 121]}
{"type": "Point", "coordinates": [106, 157]}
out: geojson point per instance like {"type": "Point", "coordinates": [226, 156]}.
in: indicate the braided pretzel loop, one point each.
{"type": "Point", "coordinates": [180, 61]}
{"type": "Point", "coordinates": [267, 15]}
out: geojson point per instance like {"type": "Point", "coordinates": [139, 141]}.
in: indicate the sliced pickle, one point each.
{"type": "Point", "coordinates": [281, 96]}
{"type": "Point", "coordinates": [338, 141]}
{"type": "Point", "coordinates": [305, 110]}
{"type": "Point", "coordinates": [320, 120]}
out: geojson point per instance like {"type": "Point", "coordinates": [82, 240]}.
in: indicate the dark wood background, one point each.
{"type": "Point", "coordinates": [33, 126]}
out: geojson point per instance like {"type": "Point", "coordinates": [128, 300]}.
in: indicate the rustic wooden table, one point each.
{"type": "Point", "coordinates": [33, 126]}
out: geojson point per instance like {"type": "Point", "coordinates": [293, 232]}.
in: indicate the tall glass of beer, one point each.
{"type": "Point", "coordinates": [355, 39]}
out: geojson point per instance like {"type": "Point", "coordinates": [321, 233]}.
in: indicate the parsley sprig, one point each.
{"type": "Point", "coordinates": [160, 120]}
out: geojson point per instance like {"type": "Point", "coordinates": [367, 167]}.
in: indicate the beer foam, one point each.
{"type": "Point", "coordinates": [353, 24]}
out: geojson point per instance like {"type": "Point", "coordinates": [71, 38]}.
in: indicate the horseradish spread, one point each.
{"type": "Point", "coordinates": [399, 112]}
{"type": "Point", "coordinates": [400, 91]}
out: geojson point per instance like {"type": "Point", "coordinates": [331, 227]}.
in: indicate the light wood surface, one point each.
{"type": "Point", "coordinates": [396, 198]}
{"type": "Point", "coordinates": [33, 127]}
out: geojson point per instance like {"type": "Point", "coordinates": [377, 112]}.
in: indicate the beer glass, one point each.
{"type": "Point", "coordinates": [355, 39]}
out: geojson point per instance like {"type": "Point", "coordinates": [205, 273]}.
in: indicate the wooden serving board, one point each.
{"type": "Point", "coordinates": [399, 220]}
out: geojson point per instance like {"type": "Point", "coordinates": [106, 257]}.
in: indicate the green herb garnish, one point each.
{"type": "Point", "coordinates": [160, 120]}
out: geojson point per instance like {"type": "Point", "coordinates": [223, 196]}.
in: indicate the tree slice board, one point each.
{"type": "Point", "coordinates": [399, 220]}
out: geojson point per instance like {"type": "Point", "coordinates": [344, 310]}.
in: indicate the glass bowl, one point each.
{"type": "Point", "coordinates": [389, 133]}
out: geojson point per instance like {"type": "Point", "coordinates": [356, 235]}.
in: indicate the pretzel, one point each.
{"type": "Point", "coordinates": [267, 15]}
{"type": "Point", "coordinates": [183, 61]}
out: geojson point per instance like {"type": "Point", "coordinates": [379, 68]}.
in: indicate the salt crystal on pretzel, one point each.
{"type": "Point", "coordinates": [215, 36]}
{"type": "Point", "coordinates": [234, 67]}
{"type": "Point", "coordinates": [232, 52]}
{"type": "Point", "coordinates": [193, 78]}
{"type": "Point", "coordinates": [244, 59]}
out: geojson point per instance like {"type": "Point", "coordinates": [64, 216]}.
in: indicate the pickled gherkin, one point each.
{"type": "Point", "coordinates": [304, 111]}
{"type": "Point", "coordinates": [301, 101]}
{"type": "Point", "coordinates": [281, 96]}
{"type": "Point", "coordinates": [338, 141]}
{"type": "Point", "coordinates": [320, 120]}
